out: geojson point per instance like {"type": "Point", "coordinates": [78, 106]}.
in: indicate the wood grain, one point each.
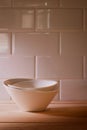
{"type": "Point", "coordinates": [57, 116]}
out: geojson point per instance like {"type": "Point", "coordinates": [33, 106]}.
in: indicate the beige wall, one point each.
{"type": "Point", "coordinates": [45, 40]}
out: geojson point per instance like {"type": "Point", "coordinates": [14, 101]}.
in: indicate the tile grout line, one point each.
{"type": "Point", "coordinates": [60, 50]}
{"type": "Point", "coordinates": [35, 67]}
{"type": "Point", "coordinates": [60, 90]}
{"type": "Point", "coordinates": [48, 19]}
{"type": "Point", "coordinates": [84, 69]}
{"type": "Point", "coordinates": [13, 43]}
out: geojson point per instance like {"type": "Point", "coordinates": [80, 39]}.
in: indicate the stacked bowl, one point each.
{"type": "Point", "coordinates": [31, 94]}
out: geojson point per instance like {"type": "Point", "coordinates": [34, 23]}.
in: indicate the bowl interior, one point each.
{"type": "Point", "coordinates": [33, 84]}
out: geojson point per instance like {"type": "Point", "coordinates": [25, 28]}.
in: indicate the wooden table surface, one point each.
{"type": "Point", "coordinates": [58, 115]}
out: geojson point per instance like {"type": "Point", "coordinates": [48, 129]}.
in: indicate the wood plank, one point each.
{"type": "Point", "coordinates": [56, 112]}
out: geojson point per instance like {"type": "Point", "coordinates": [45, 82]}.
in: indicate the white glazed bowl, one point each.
{"type": "Point", "coordinates": [31, 99]}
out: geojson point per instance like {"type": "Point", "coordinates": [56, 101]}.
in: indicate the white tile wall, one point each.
{"type": "Point", "coordinates": [74, 43]}
{"type": "Point", "coordinates": [5, 3]}
{"type": "Point", "coordinates": [66, 19]}
{"type": "Point", "coordinates": [16, 66]}
{"type": "Point", "coordinates": [5, 43]}
{"type": "Point", "coordinates": [45, 39]}
{"type": "Point", "coordinates": [16, 18]}
{"type": "Point", "coordinates": [73, 89]}
{"type": "Point", "coordinates": [36, 3]}
{"type": "Point", "coordinates": [59, 67]}
{"type": "Point", "coordinates": [36, 44]}
{"type": "Point", "coordinates": [42, 19]}
{"type": "Point", "coordinates": [74, 3]}
{"type": "Point", "coordinates": [86, 19]}
{"type": "Point", "coordinates": [59, 19]}
{"type": "Point", "coordinates": [86, 67]}
{"type": "Point", "coordinates": [3, 92]}
{"type": "Point", "coordinates": [6, 15]}
{"type": "Point", "coordinates": [27, 18]}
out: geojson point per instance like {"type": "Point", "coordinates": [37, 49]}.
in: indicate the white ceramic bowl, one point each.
{"type": "Point", "coordinates": [32, 99]}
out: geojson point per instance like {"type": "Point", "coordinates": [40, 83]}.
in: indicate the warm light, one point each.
{"type": "Point", "coordinates": [4, 45]}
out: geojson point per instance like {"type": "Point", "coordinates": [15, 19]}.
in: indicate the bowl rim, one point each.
{"type": "Point", "coordinates": [8, 83]}
{"type": "Point", "coordinates": [34, 90]}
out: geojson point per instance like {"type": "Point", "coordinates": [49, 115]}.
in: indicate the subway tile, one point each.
{"type": "Point", "coordinates": [85, 67]}
{"type": "Point", "coordinates": [37, 3]}
{"type": "Point", "coordinates": [5, 3]}
{"type": "Point", "coordinates": [12, 66]}
{"type": "Point", "coordinates": [6, 18]}
{"type": "Point", "coordinates": [42, 19]}
{"type": "Point", "coordinates": [74, 3]}
{"type": "Point", "coordinates": [59, 67]}
{"type": "Point", "coordinates": [59, 19]}
{"type": "Point", "coordinates": [27, 18]}
{"type": "Point", "coordinates": [66, 19]}
{"type": "Point", "coordinates": [73, 89]}
{"type": "Point", "coordinates": [36, 44]}
{"type": "Point", "coordinates": [5, 43]}
{"type": "Point", "coordinates": [3, 93]}
{"type": "Point", "coordinates": [16, 19]}
{"type": "Point", "coordinates": [74, 43]}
